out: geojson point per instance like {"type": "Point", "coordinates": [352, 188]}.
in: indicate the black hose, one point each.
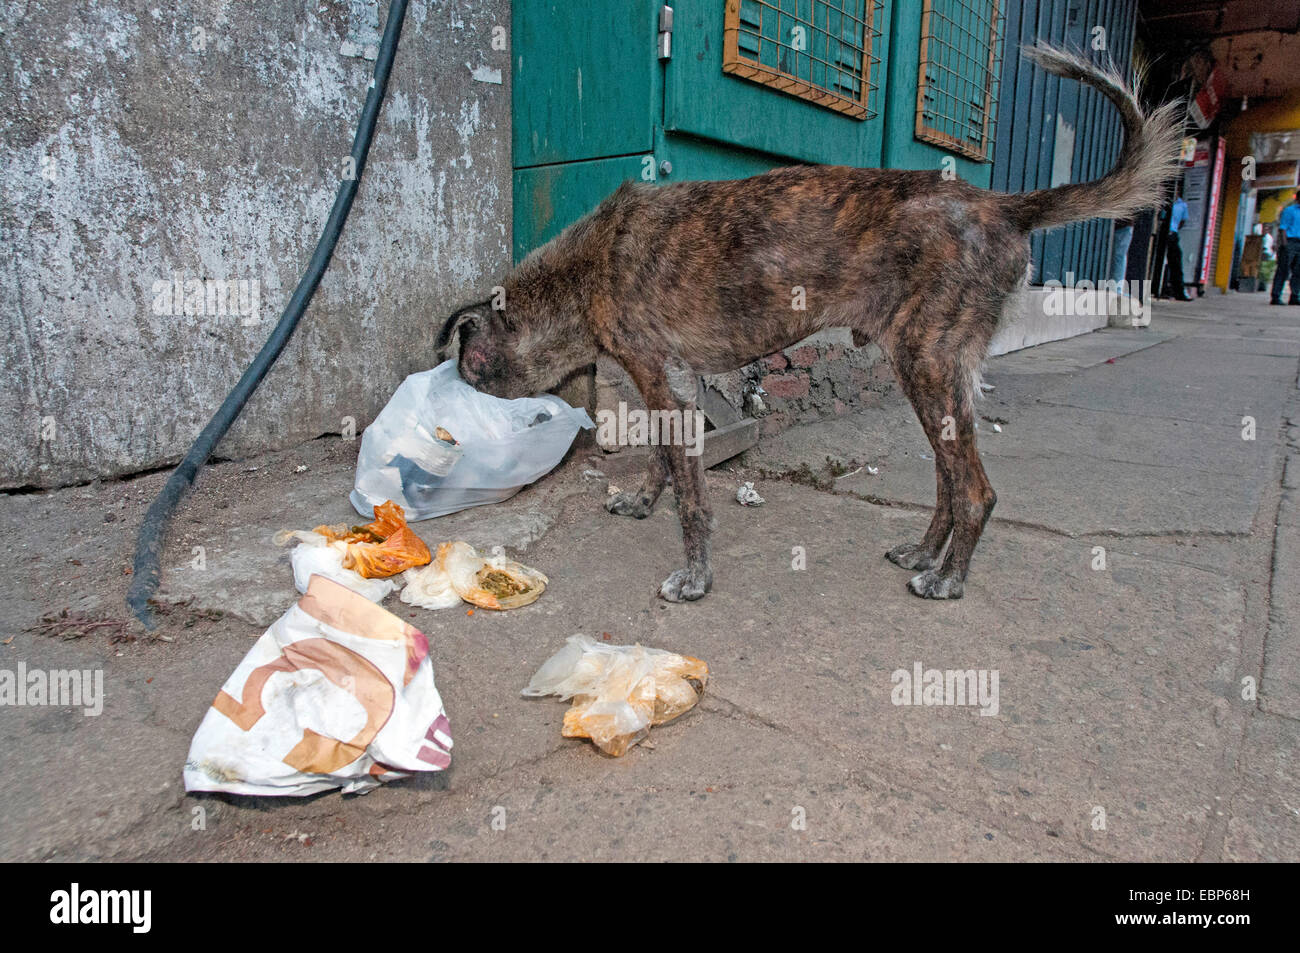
{"type": "Point", "coordinates": [148, 547]}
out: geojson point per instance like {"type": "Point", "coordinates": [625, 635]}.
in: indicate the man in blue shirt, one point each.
{"type": "Point", "coordinates": [1288, 253]}
{"type": "Point", "coordinates": [1174, 286]}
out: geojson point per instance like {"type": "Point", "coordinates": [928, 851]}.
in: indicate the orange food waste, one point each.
{"type": "Point", "coordinates": [383, 547]}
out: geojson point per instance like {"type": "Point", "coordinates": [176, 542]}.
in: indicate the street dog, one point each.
{"type": "Point", "coordinates": [693, 278]}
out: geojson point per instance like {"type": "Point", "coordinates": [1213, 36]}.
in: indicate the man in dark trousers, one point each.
{"type": "Point", "coordinates": [1174, 286]}
{"type": "Point", "coordinates": [1288, 253]}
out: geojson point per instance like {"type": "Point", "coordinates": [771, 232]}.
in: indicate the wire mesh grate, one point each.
{"type": "Point", "coordinates": [819, 50]}
{"type": "Point", "coordinates": [961, 62]}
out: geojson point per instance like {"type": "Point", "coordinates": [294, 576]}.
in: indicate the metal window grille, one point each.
{"type": "Point", "coordinates": [818, 50]}
{"type": "Point", "coordinates": [957, 91]}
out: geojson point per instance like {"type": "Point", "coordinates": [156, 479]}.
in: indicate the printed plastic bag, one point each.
{"type": "Point", "coordinates": [440, 446]}
{"type": "Point", "coordinates": [336, 693]}
{"type": "Point", "coordinates": [618, 691]}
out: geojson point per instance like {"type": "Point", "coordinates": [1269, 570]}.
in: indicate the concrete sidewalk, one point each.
{"type": "Point", "coordinates": [1121, 731]}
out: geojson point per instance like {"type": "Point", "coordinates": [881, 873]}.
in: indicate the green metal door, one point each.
{"type": "Point", "coordinates": [748, 85]}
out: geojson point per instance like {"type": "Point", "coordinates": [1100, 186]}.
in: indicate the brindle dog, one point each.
{"type": "Point", "coordinates": [697, 277]}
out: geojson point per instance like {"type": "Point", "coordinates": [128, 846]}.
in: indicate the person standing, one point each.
{"type": "Point", "coordinates": [1174, 286]}
{"type": "Point", "coordinates": [1288, 253]}
{"type": "Point", "coordinates": [1119, 254]}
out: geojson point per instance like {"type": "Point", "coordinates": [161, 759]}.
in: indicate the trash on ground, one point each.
{"type": "Point", "coordinates": [872, 470]}
{"type": "Point", "coordinates": [748, 496]}
{"type": "Point", "coordinates": [429, 588]}
{"type": "Point", "coordinates": [338, 692]}
{"type": "Point", "coordinates": [409, 455]}
{"type": "Point", "coordinates": [618, 691]}
{"type": "Point", "coordinates": [361, 557]}
{"type": "Point", "coordinates": [997, 428]}
{"type": "Point", "coordinates": [459, 572]}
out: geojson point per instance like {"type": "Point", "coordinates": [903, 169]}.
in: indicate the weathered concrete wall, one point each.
{"type": "Point", "coordinates": [143, 145]}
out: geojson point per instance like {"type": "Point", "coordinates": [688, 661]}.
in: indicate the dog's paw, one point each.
{"type": "Point", "coordinates": [686, 585]}
{"type": "Point", "coordinates": [630, 503]}
{"type": "Point", "coordinates": [933, 584]}
{"type": "Point", "coordinates": [911, 556]}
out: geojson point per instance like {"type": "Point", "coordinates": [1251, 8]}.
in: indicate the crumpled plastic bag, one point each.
{"type": "Point", "coordinates": [315, 555]}
{"type": "Point", "coordinates": [429, 588]}
{"type": "Point", "coordinates": [383, 547]}
{"type": "Point", "coordinates": [460, 572]}
{"type": "Point", "coordinates": [618, 691]}
{"type": "Point", "coordinates": [338, 692]}
{"type": "Point", "coordinates": [489, 448]}
{"type": "Point", "coordinates": [493, 582]}
{"type": "Point", "coordinates": [361, 558]}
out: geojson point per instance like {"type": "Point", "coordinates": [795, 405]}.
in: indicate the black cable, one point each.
{"type": "Point", "coordinates": [148, 547]}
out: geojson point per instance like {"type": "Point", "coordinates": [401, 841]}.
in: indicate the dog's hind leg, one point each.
{"type": "Point", "coordinates": [934, 373]}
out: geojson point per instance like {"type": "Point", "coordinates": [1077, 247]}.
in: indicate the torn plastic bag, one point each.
{"type": "Point", "coordinates": [489, 448]}
{"type": "Point", "coordinates": [618, 691]}
{"type": "Point", "coordinates": [361, 557]}
{"type": "Point", "coordinates": [315, 555]}
{"type": "Point", "coordinates": [336, 693]}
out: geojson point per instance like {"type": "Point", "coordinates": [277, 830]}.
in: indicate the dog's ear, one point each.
{"type": "Point", "coordinates": [472, 318]}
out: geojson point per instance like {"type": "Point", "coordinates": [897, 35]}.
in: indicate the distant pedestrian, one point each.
{"type": "Point", "coordinates": [1174, 286]}
{"type": "Point", "coordinates": [1288, 253]}
{"type": "Point", "coordinates": [1119, 254]}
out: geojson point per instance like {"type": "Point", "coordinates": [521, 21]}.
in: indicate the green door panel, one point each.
{"type": "Point", "coordinates": [548, 198]}
{"type": "Point", "coordinates": [701, 100]}
{"type": "Point", "coordinates": [693, 158]}
{"type": "Point", "coordinates": [585, 79]}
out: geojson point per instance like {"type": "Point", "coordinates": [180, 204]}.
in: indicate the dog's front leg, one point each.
{"type": "Point", "coordinates": [640, 503]}
{"type": "Point", "coordinates": [670, 390]}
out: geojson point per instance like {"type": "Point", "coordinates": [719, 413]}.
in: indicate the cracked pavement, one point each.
{"type": "Point", "coordinates": [1122, 732]}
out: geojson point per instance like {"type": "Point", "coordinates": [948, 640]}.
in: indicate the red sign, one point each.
{"type": "Point", "coordinates": [1208, 100]}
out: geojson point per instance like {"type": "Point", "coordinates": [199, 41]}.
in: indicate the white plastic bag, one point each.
{"type": "Point", "coordinates": [618, 691]}
{"type": "Point", "coordinates": [503, 446]}
{"type": "Point", "coordinates": [317, 556]}
{"type": "Point", "coordinates": [336, 693]}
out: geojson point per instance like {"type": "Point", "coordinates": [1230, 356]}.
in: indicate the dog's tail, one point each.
{"type": "Point", "coordinates": [1147, 162]}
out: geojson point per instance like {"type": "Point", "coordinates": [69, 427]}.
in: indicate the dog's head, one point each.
{"type": "Point", "coordinates": [508, 358]}
{"type": "Point", "coordinates": [486, 358]}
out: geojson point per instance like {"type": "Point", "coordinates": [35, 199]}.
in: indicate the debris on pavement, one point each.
{"type": "Point", "coordinates": [748, 496]}
{"type": "Point", "coordinates": [429, 588]}
{"type": "Point", "coordinates": [490, 582]}
{"type": "Point", "coordinates": [461, 573]}
{"type": "Point", "coordinates": [409, 454]}
{"type": "Point", "coordinates": [69, 625]}
{"type": "Point", "coordinates": [619, 691]}
{"type": "Point", "coordinates": [338, 692]}
{"type": "Point", "coordinates": [362, 558]}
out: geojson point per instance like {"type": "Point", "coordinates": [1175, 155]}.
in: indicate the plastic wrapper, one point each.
{"type": "Point", "coordinates": [619, 691]}
{"type": "Point", "coordinates": [337, 693]}
{"type": "Point", "coordinates": [492, 582]}
{"type": "Point", "coordinates": [381, 548]}
{"type": "Point", "coordinates": [459, 572]}
{"type": "Point", "coordinates": [440, 446]}
{"type": "Point", "coordinates": [317, 556]}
